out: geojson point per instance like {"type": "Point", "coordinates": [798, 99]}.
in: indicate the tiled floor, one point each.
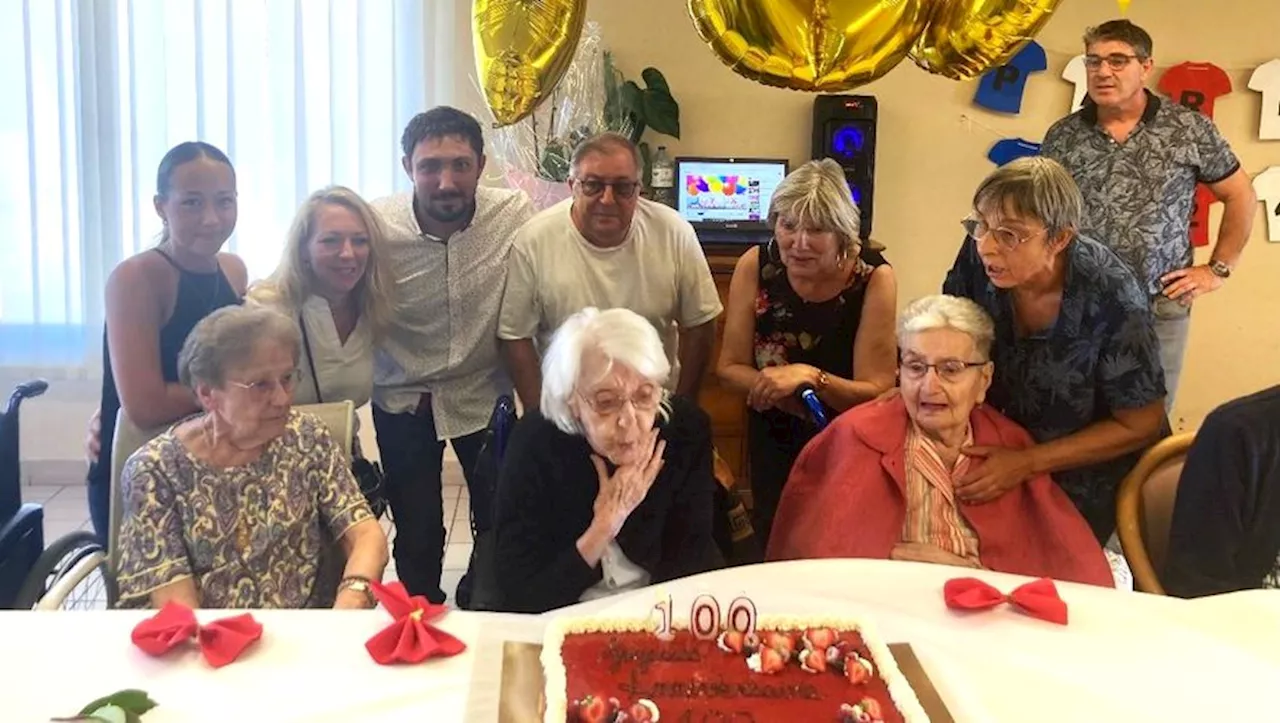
{"type": "Point", "coordinates": [66, 510]}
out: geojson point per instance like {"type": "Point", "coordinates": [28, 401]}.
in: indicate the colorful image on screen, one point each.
{"type": "Point", "coordinates": [727, 191]}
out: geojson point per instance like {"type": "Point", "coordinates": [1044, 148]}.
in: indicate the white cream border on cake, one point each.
{"type": "Point", "coordinates": [904, 697]}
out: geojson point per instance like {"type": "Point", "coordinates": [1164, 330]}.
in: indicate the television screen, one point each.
{"type": "Point", "coordinates": [720, 192]}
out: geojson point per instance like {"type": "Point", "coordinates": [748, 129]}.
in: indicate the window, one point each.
{"type": "Point", "coordinates": [299, 93]}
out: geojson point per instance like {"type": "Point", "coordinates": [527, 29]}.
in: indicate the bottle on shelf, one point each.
{"type": "Point", "coordinates": [663, 178]}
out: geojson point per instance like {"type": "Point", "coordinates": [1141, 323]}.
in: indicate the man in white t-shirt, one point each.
{"type": "Point", "coordinates": [606, 247]}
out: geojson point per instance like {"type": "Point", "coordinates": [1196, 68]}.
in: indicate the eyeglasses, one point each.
{"type": "Point", "coordinates": [621, 189]}
{"type": "Point", "coordinates": [1008, 240]}
{"type": "Point", "coordinates": [645, 399]}
{"type": "Point", "coordinates": [950, 370]}
{"type": "Point", "coordinates": [263, 388]}
{"type": "Point", "coordinates": [1115, 61]}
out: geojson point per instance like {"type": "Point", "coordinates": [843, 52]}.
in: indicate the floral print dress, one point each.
{"type": "Point", "coordinates": [790, 330]}
{"type": "Point", "coordinates": [251, 536]}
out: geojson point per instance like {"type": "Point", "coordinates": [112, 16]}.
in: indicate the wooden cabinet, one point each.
{"type": "Point", "coordinates": [727, 408]}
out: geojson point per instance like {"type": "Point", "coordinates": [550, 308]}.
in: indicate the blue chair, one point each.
{"type": "Point", "coordinates": [21, 525]}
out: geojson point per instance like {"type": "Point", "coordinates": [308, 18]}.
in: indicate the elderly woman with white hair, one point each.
{"type": "Point", "coordinates": [1077, 360]}
{"type": "Point", "coordinates": [608, 486]}
{"type": "Point", "coordinates": [235, 507]}
{"type": "Point", "coordinates": [812, 308]}
{"type": "Point", "coordinates": [880, 482]}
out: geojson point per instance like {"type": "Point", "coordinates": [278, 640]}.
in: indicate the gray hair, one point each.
{"type": "Point", "coordinates": [227, 338]}
{"type": "Point", "coordinates": [817, 194]}
{"type": "Point", "coordinates": [1121, 31]}
{"type": "Point", "coordinates": [622, 336]}
{"type": "Point", "coordinates": [949, 312]}
{"type": "Point", "coordinates": [1035, 187]}
{"type": "Point", "coordinates": [605, 143]}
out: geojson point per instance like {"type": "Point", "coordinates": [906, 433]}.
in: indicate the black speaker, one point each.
{"type": "Point", "coordinates": [844, 130]}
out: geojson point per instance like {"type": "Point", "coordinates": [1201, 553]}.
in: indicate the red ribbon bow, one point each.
{"type": "Point", "coordinates": [409, 639]}
{"type": "Point", "coordinates": [1038, 598]}
{"type": "Point", "coordinates": [221, 641]}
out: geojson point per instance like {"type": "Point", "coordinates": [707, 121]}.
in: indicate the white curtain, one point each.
{"type": "Point", "coordinates": [299, 93]}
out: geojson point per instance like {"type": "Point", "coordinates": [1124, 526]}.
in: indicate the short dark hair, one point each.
{"type": "Point", "coordinates": [605, 143]}
{"type": "Point", "coordinates": [185, 153]}
{"type": "Point", "coordinates": [1121, 31]}
{"type": "Point", "coordinates": [439, 122]}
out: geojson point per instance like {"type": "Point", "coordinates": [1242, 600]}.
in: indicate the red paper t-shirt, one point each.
{"type": "Point", "coordinates": [1195, 85]}
{"type": "Point", "coordinates": [1200, 215]}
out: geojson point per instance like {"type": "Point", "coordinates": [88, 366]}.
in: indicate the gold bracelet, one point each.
{"type": "Point", "coordinates": [823, 380]}
{"type": "Point", "coordinates": [355, 583]}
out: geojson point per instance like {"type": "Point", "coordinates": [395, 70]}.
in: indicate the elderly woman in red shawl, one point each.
{"type": "Point", "coordinates": [879, 482]}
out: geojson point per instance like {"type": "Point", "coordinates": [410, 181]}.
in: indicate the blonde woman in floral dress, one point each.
{"type": "Point", "coordinates": [814, 307]}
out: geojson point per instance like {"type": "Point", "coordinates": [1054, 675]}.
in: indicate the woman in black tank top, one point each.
{"type": "Point", "coordinates": [145, 326]}
{"type": "Point", "coordinates": [815, 307]}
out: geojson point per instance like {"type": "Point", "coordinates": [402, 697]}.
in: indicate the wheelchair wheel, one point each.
{"type": "Point", "coordinates": [71, 574]}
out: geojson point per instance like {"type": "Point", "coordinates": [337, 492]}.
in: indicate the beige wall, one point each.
{"type": "Point", "coordinates": [929, 158]}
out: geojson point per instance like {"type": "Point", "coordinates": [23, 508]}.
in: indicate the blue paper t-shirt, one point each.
{"type": "Point", "coordinates": [1002, 87]}
{"type": "Point", "coordinates": [1011, 149]}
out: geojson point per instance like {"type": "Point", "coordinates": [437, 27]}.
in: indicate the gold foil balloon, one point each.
{"type": "Point", "coordinates": [966, 38]}
{"type": "Point", "coordinates": [812, 45]}
{"type": "Point", "coordinates": [523, 48]}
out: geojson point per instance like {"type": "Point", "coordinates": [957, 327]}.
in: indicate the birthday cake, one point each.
{"type": "Point", "coordinates": [788, 669]}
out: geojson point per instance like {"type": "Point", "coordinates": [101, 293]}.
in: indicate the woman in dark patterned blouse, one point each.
{"type": "Point", "coordinates": [812, 308]}
{"type": "Point", "coordinates": [233, 508]}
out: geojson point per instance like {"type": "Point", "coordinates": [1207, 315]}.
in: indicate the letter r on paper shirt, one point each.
{"type": "Point", "coordinates": [1267, 186]}
{"type": "Point", "coordinates": [1266, 80]}
{"type": "Point", "coordinates": [1001, 88]}
{"type": "Point", "coordinates": [1204, 198]}
{"type": "Point", "coordinates": [1195, 85]}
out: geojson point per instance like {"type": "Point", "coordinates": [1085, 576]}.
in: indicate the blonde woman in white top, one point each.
{"type": "Point", "coordinates": [332, 280]}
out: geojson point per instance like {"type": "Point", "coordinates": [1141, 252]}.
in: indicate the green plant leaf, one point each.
{"type": "Point", "coordinates": [655, 80]}
{"type": "Point", "coordinates": [131, 701]}
{"type": "Point", "coordinates": [661, 112]}
{"type": "Point", "coordinates": [612, 94]}
{"type": "Point", "coordinates": [646, 156]}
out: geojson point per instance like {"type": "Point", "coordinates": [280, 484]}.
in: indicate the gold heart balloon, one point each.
{"type": "Point", "coordinates": [811, 45]}
{"type": "Point", "coordinates": [523, 48]}
{"type": "Point", "coordinates": [966, 38]}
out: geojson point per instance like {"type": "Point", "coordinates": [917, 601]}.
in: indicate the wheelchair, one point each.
{"type": "Point", "coordinates": [28, 570]}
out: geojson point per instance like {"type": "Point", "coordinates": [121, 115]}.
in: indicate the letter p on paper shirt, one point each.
{"type": "Point", "coordinates": [1001, 88]}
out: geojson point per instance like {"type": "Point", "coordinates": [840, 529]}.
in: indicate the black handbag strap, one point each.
{"type": "Point", "coordinates": [311, 364]}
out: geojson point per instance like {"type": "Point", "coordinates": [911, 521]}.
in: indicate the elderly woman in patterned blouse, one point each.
{"type": "Point", "coordinates": [235, 507]}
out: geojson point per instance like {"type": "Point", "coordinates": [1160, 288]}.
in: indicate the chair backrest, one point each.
{"type": "Point", "coordinates": [339, 417]}
{"type": "Point", "coordinates": [1144, 509]}
{"type": "Point", "coordinates": [129, 438]}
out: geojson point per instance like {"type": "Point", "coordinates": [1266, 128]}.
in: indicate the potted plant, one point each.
{"type": "Point", "coordinates": [629, 110]}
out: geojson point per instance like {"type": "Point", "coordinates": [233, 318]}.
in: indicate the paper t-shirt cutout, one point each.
{"type": "Point", "coordinates": [1195, 85]}
{"type": "Point", "coordinates": [1267, 186]}
{"type": "Point", "coordinates": [1001, 88]}
{"type": "Point", "coordinates": [1011, 149]}
{"type": "Point", "coordinates": [1266, 80]}
{"type": "Point", "coordinates": [1204, 198]}
{"type": "Point", "coordinates": [1076, 74]}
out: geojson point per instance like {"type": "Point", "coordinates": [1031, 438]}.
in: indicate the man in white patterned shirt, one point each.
{"type": "Point", "coordinates": [438, 372]}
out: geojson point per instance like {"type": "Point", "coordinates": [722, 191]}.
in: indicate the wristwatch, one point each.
{"type": "Point", "coordinates": [1220, 269]}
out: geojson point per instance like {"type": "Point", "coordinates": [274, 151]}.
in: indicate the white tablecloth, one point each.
{"type": "Point", "coordinates": [1124, 657]}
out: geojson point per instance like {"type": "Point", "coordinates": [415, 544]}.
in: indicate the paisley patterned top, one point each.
{"type": "Point", "coordinates": [251, 536]}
